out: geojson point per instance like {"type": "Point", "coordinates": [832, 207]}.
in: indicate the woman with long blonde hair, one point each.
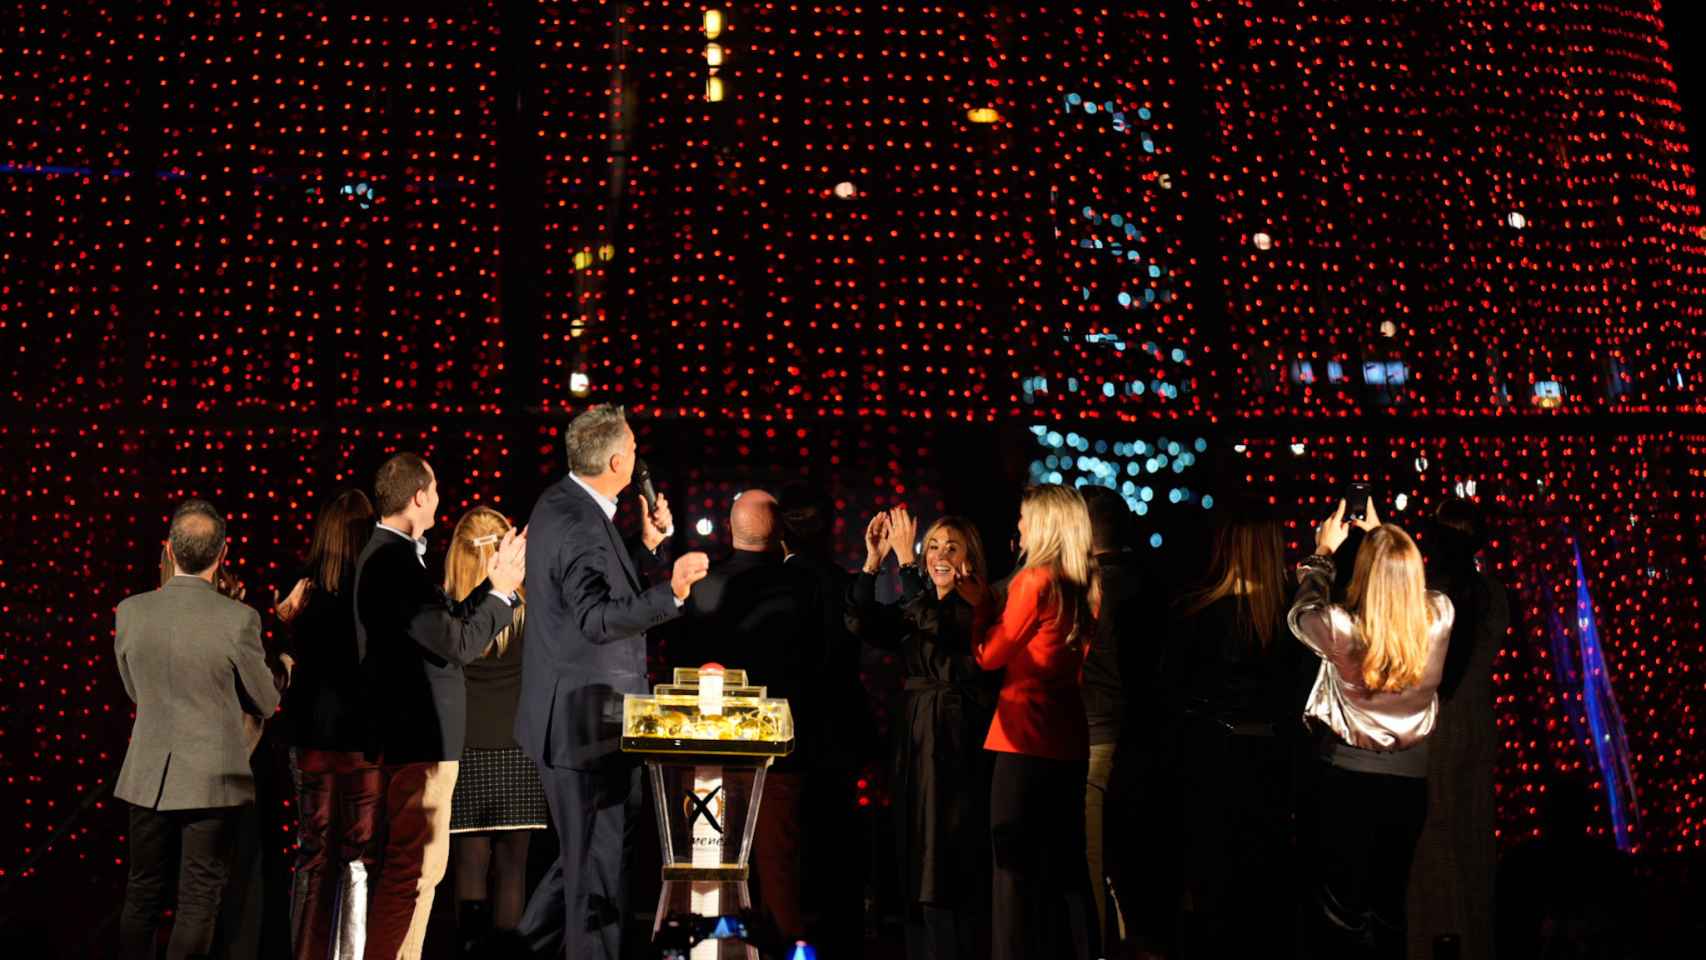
{"type": "Point", "coordinates": [1382, 655]}
{"type": "Point", "coordinates": [498, 800]}
{"type": "Point", "coordinates": [1040, 736]}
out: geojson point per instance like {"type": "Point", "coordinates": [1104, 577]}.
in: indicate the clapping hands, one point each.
{"type": "Point", "coordinates": [507, 567]}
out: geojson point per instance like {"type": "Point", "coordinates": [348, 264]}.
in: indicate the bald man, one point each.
{"type": "Point", "coordinates": [756, 612]}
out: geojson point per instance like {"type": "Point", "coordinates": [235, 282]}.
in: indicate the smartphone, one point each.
{"type": "Point", "coordinates": [1356, 500]}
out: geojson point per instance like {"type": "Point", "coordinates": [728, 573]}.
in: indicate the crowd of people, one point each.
{"type": "Point", "coordinates": [1083, 763]}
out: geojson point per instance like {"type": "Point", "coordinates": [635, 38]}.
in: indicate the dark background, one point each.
{"type": "Point", "coordinates": [247, 251]}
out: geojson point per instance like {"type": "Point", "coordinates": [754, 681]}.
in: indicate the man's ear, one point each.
{"type": "Point", "coordinates": [171, 557]}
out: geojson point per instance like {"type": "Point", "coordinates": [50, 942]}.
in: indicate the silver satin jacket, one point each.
{"type": "Point", "coordinates": [1339, 700]}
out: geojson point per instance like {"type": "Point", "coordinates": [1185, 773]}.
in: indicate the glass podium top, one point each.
{"type": "Point", "coordinates": [683, 717]}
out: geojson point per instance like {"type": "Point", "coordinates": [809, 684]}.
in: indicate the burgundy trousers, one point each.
{"type": "Point", "coordinates": [340, 834]}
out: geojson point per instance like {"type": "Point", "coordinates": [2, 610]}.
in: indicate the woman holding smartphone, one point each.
{"type": "Point", "coordinates": [1382, 654]}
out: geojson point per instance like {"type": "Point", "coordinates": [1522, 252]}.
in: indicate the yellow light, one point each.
{"type": "Point", "coordinates": [714, 54]}
{"type": "Point", "coordinates": [713, 23]}
{"type": "Point", "coordinates": [607, 251]}
{"type": "Point", "coordinates": [983, 115]}
{"type": "Point", "coordinates": [583, 259]}
{"type": "Point", "coordinates": [714, 89]}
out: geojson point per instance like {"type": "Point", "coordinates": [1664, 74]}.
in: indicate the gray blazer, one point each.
{"type": "Point", "coordinates": [192, 662]}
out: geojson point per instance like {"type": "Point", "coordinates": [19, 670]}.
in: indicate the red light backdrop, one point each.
{"type": "Point", "coordinates": [246, 249]}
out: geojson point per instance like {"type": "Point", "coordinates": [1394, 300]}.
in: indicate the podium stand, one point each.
{"type": "Point", "coordinates": [707, 738]}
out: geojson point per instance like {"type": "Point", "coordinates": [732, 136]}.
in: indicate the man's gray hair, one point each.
{"type": "Point", "coordinates": [198, 536]}
{"type": "Point", "coordinates": [592, 437]}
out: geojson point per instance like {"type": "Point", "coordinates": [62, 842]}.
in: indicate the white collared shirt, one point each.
{"type": "Point", "coordinates": [420, 555]}
{"type": "Point", "coordinates": [607, 504]}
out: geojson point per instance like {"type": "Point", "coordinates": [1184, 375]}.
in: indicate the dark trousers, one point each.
{"type": "Point", "coordinates": [776, 854]}
{"type": "Point", "coordinates": [338, 839]}
{"type": "Point", "coordinates": [1041, 893]}
{"type": "Point", "coordinates": [594, 813]}
{"type": "Point", "coordinates": [1368, 836]}
{"type": "Point", "coordinates": [198, 843]}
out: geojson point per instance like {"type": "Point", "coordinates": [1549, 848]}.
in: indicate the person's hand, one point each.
{"type": "Point", "coordinates": [876, 542]}
{"type": "Point", "coordinates": [690, 569]}
{"type": "Point", "coordinates": [282, 674]}
{"type": "Point", "coordinates": [656, 523]}
{"type": "Point", "coordinates": [507, 566]}
{"type": "Point", "coordinates": [1332, 532]}
{"type": "Point", "coordinates": [969, 584]}
{"type": "Point", "coordinates": [290, 606]}
{"type": "Point", "coordinates": [903, 535]}
{"type": "Point", "coordinates": [1369, 519]}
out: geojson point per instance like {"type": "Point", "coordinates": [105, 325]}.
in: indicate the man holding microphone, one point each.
{"type": "Point", "coordinates": [590, 607]}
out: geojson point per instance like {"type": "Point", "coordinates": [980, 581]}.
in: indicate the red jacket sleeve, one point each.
{"type": "Point", "coordinates": [1019, 621]}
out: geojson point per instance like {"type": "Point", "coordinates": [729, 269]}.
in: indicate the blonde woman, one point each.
{"type": "Point", "coordinates": [498, 801]}
{"type": "Point", "coordinates": [1382, 653]}
{"type": "Point", "coordinates": [1040, 736]}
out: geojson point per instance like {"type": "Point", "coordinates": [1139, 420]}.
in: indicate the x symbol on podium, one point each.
{"type": "Point", "coordinates": [701, 807]}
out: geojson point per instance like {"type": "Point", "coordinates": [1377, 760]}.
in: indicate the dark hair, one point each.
{"type": "Point", "coordinates": [340, 529]}
{"type": "Point", "coordinates": [397, 482]}
{"type": "Point", "coordinates": [806, 519]}
{"type": "Point", "coordinates": [197, 537]}
{"type": "Point", "coordinates": [592, 437]}
{"type": "Point", "coordinates": [1111, 523]}
{"type": "Point", "coordinates": [1247, 564]}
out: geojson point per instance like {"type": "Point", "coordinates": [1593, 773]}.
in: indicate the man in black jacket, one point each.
{"type": "Point", "coordinates": [764, 615]}
{"type": "Point", "coordinates": [586, 647]}
{"type": "Point", "coordinates": [413, 642]}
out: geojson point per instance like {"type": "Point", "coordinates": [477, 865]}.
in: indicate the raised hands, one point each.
{"type": "Point", "coordinates": [876, 541]}
{"type": "Point", "coordinates": [1333, 531]}
{"type": "Point", "coordinates": [903, 536]}
{"type": "Point", "coordinates": [507, 567]}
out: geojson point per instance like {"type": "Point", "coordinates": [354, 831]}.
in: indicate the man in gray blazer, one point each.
{"type": "Point", "coordinates": [192, 662]}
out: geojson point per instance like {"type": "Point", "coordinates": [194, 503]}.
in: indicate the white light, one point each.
{"type": "Point", "coordinates": [1297, 449]}
{"type": "Point", "coordinates": [1516, 220]}
{"type": "Point", "coordinates": [845, 189]}
{"type": "Point", "coordinates": [704, 526]}
{"type": "Point", "coordinates": [1239, 448]}
{"type": "Point", "coordinates": [714, 89]}
{"type": "Point", "coordinates": [1262, 241]}
{"type": "Point", "coordinates": [1421, 464]}
{"type": "Point", "coordinates": [580, 384]}
{"type": "Point", "coordinates": [713, 23]}
{"type": "Point", "coordinates": [1469, 487]}
{"type": "Point", "coordinates": [713, 54]}
{"type": "Point", "coordinates": [1401, 501]}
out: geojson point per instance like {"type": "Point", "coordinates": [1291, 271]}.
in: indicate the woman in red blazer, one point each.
{"type": "Point", "coordinates": [1041, 895]}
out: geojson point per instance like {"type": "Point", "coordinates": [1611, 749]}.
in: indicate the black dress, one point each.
{"type": "Point", "coordinates": [497, 787]}
{"type": "Point", "coordinates": [941, 771]}
{"type": "Point", "coordinates": [1235, 705]}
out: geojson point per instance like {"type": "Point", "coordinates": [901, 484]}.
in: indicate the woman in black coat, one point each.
{"type": "Point", "coordinates": [941, 773]}
{"type": "Point", "coordinates": [1230, 681]}
{"type": "Point", "coordinates": [1451, 880]}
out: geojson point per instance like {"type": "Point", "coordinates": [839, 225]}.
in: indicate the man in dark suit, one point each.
{"type": "Point", "coordinates": [757, 612]}
{"type": "Point", "coordinates": [413, 642]}
{"type": "Point", "coordinates": [586, 647]}
{"type": "Point", "coordinates": [192, 661]}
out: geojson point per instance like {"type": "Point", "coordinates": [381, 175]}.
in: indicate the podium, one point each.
{"type": "Point", "coordinates": [707, 739]}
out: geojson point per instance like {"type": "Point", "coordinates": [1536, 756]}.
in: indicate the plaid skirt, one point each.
{"type": "Point", "coordinates": [497, 790]}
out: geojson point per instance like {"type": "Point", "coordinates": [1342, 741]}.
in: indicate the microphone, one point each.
{"type": "Point", "coordinates": [643, 478]}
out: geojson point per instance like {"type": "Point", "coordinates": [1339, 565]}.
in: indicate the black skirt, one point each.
{"type": "Point", "coordinates": [497, 790]}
